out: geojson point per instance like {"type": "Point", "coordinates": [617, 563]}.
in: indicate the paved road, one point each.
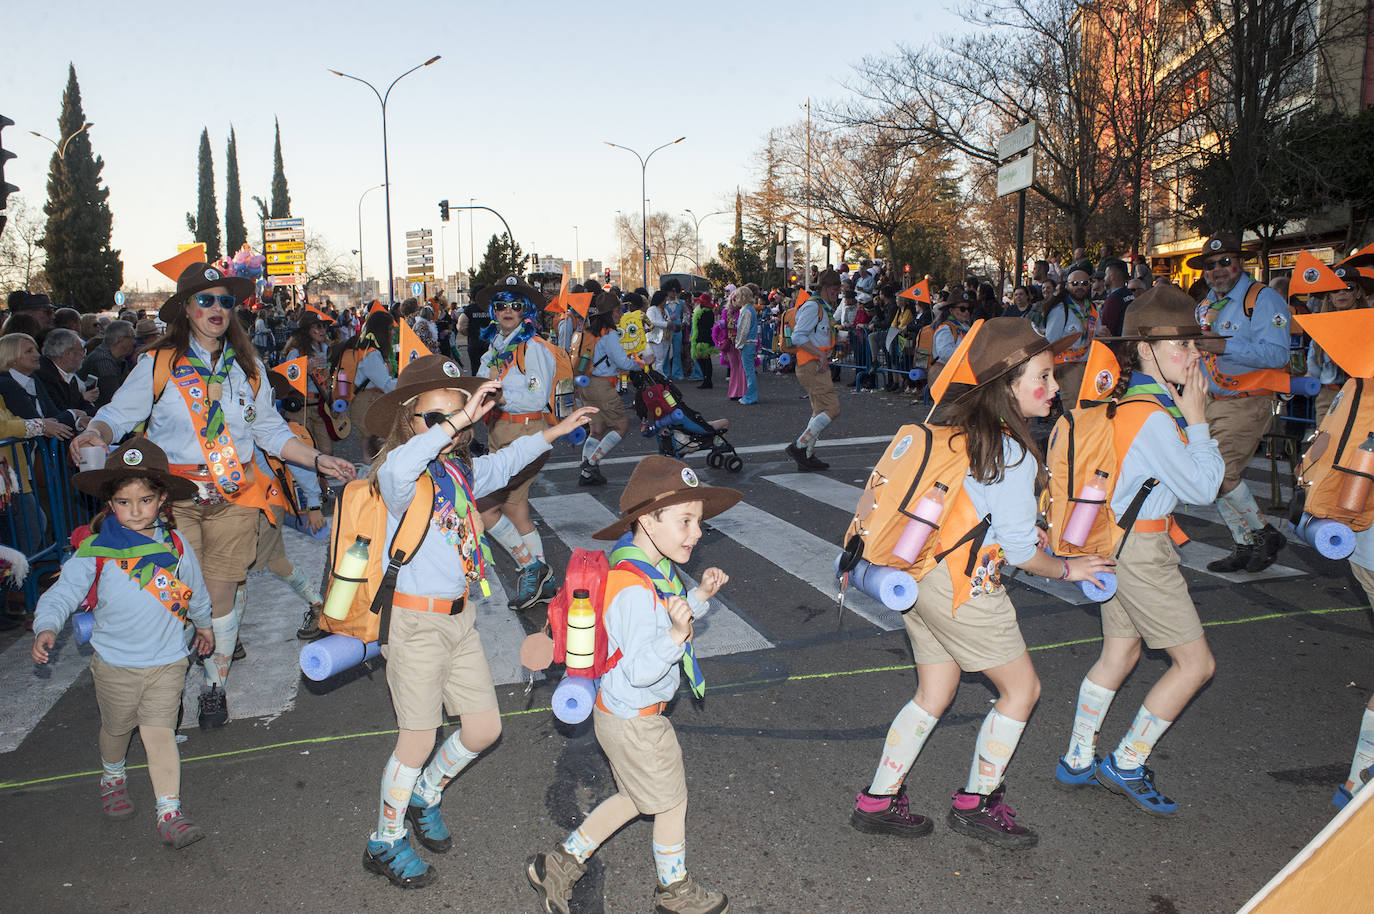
{"type": "Point", "coordinates": [790, 730]}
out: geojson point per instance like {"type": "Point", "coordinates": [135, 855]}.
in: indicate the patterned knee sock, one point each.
{"type": "Point", "coordinates": [1364, 752]}
{"type": "Point", "coordinates": [504, 532]}
{"type": "Point", "coordinates": [168, 805]}
{"type": "Point", "coordinates": [535, 544]}
{"type": "Point", "coordinates": [579, 845]}
{"type": "Point", "coordinates": [807, 440]}
{"type": "Point", "coordinates": [1244, 503]}
{"type": "Point", "coordinates": [589, 447]}
{"type": "Point", "coordinates": [226, 629]}
{"type": "Point", "coordinates": [398, 781]}
{"type": "Point", "coordinates": [905, 738]}
{"type": "Point", "coordinates": [113, 771]}
{"type": "Point", "coordinates": [997, 740]}
{"type": "Point", "coordinates": [1140, 740]}
{"type": "Point", "coordinates": [451, 758]}
{"type": "Point", "coordinates": [1233, 517]}
{"type": "Point", "coordinates": [301, 585]}
{"type": "Point", "coordinates": [1093, 702]}
{"type": "Point", "coordinates": [671, 862]}
{"type": "Point", "coordinates": [240, 604]}
{"type": "Point", "coordinates": [607, 445]}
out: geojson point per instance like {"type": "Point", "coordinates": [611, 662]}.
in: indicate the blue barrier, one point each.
{"type": "Point", "coordinates": [44, 510]}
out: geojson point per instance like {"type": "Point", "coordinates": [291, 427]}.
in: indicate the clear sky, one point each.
{"type": "Point", "coordinates": [514, 115]}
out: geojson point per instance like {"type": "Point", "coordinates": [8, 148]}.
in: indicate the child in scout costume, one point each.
{"type": "Point", "coordinates": [649, 623]}
{"type": "Point", "coordinates": [149, 591]}
{"type": "Point", "coordinates": [1162, 388]}
{"type": "Point", "coordinates": [963, 620]}
{"type": "Point", "coordinates": [206, 401]}
{"type": "Point", "coordinates": [434, 653]}
{"type": "Point", "coordinates": [375, 373]}
{"type": "Point", "coordinates": [311, 340]}
{"type": "Point", "coordinates": [526, 368]}
{"type": "Point", "coordinates": [812, 335]}
{"type": "Point", "coordinates": [608, 360]}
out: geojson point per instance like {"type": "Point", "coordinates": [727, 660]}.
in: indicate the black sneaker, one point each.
{"type": "Point", "coordinates": [1238, 560]}
{"type": "Point", "coordinates": [816, 463]}
{"type": "Point", "coordinates": [1268, 542]}
{"type": "Point", "coordinates": [214, 708]}
{"type": "Point", "coordinates": [310, 624]}
{"type": "Point", "coordinates": [895, 818]}
{"type": "Point", "coordinates": [799, 457]}
{"type": "Point", "coordinates": [590, 475]}
{"type": "Point", "coordinates": [239, 652]}
{"type": "Point", "coordinates": [990, 820]}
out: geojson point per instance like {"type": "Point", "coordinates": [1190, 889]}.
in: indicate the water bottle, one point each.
{"type": "Point", "coordinates": [349, 571]}
{"type": "Point", "coordinates": [1090, 501]}
{"type": "Point", "coordinates": [1354, 491]}
{"type": "Point", "coordinates": [918, 529]}
{"type": "Point", "coordinates": [341, 386]}
{"type": "Point", "coordinates": [581, 645]}
{"type": "Point", "coordinates": [584, 361]}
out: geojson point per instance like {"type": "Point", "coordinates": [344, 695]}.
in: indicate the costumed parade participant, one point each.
{"type": "Point", "coordinates": [1075, 314]}
{"type": "Point", "coordinates": [1355, 295]}
{"type": "Point", "coordinates": [207, 407]}
{"type": "Point", "coordinates": [435, 660]}
{"type": "Point", "coordinates": [813, 337]}
{"type": "Point", "coordinates": [607, 358]}
{"type": "Point", "coordinates": [149, 591]}
{"type": "Point", "coordinates": [311, 340]}
{"type": "Point", "coordinates": [648, 621]}
{"type": "Point", "coordinates": [372, 358]}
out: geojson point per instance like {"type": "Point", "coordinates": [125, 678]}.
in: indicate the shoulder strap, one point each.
{"type": "Point", "coordinates": [410, 535]}
{"type": "Point", "coordinates": [1252, 295]}
{"type": "Point", "coordinates": [162, 373]}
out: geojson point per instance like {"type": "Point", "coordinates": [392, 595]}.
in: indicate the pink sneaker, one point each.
{"type": "Point", "coordinates": [989, 819]}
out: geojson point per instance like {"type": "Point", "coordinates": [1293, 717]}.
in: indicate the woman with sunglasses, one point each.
{"type": "Point", "coordinates": [951, 326]}
{"type": "Point", "coordinates": [203, 393]}
{"type": "Point", "coordinates": [311, 340]}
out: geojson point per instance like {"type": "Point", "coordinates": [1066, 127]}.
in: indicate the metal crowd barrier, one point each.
{"type": "Point", "coordinates": [40, 515]}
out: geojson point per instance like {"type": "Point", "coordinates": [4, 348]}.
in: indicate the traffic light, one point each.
{"type": "Point", "coordinates": [906, 268]}
{"type": "Point", "coordinates": [608, 274]}
{"type": "Point", "coordinates": [5, 188]}
{"type": "Point", "coordinates": [443, 210]}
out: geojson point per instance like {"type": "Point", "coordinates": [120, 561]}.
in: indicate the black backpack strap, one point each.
{"type": "Point", "coordinates": [974, 535]}
{"type": "Point", "coordinates": [398, 556]}
{"type": "Point", "coordinates": [1127, 520]}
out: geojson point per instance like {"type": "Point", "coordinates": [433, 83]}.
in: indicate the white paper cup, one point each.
{"type": "Point", "coordinates": [92, 458]}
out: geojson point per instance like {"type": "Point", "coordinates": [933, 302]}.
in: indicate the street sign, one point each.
{"type": "Point", "coordinates": [417, 289]}
{"type": "Point", "coordinates": [1017, 174]}
{"type": "Point", "coordinates": [295, 222]}
{"type": "Point", "coordinates": [281, 269]}
{"type": "Point", "coordinates": [273, 246]}
{"type": "Point", "coordinates": [286, 235]}
{"type": "Point", "coordinates": [1019, 140]}
{"type": "Point", "coordinates": [119, 298]}
{"type": "Point", "coordinates": [297, 256]}
{"type": "Point", "coordinates": [418, 251]}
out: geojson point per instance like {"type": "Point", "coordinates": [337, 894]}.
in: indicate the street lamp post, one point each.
{"type": "Point", "coordinates": [362, 292]}
{"type": "Point", "coordinates": [696, 232]}
{"type": "Point", "coordinates": [577, 251]}
{"type": "Point", "coordinates": [386, 170]}
{"type": "Point", "coordinates": [62, 147]}
{"type": "Point", "coordinates": [643, 197]}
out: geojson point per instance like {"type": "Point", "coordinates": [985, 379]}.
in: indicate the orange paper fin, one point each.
{"type": "Point", "coordinates": [172, 267]}
{"type": "Point", "coordinates": [957, 370]}
{"type": "Point", "coordinates": [1101, 371]}
{"type": "Point", "coordinates": [411, 348]}
{"type": "Point", "coordinates": [1311, 276]}
{"type": "Point", "coordinates": [918, 292]}
{"type": "Point", "coordinates": [1345, 337]}
{"type": "Point", "coordinates": [294, 371]}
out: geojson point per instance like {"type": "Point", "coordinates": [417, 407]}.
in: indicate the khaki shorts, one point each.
{"type": "Point", "coordinates": [1152, 600]}
{"type": "Point", "coordinates": [814, 377]}
{"type": "Point", "coordinates": [601, 393]}
{"type": "Point", "coordinates": [517, 491]}
{"type": "Point", "coordinates": [357, 408]}
{"type": "Point", "coordinates": [270, 544]}
{"type": "Point", "coordinates": [1366, 579]}
{"type": "Point", "coordinates": [138, 696]}
{"type": "Point", "coordinates": [314, 424]}
{"type": "Point", "coordinates": [436, 662]}
{"type": "Point", "coordinates": [1237, 424]}
{"type": "Point", "coordinates": [224, 537]}
{"type": "Point", "coordinates": [645, 759]}
{"type": "Point", "coordinates": [982, 634]}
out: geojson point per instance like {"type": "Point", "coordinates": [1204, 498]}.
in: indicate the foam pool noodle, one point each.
{"type": "Point", "coordinates": [333, 654]}
{"type": "Point", "coordinates": [573, 699]}
{"type": "Point", "coordinates": [1331, 538]}
{"type": "Point", "coordinates": [892, 587]}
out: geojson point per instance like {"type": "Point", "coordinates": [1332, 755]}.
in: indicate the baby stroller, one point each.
{"type": "Point", "coordinates": [681, 430]}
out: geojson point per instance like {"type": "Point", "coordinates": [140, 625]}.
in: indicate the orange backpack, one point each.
{"type": "Point", "coordinates": [1330, 455]}
{"type": "Point", "coordinates": [560, 403]}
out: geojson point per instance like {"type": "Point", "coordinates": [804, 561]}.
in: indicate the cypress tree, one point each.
{"type": "Point", "coordinates": [82, 269]}
{"type": "Point", "coordinates": [235, 233]}
{"type": "Point", "coordinates": [207, 212]}
{"type": "Point", "coordinates": [281, 198]}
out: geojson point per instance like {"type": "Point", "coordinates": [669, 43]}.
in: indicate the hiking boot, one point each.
{"type": "Point", "coordinates": [989, 818]}
{"type": "Point", "coordinates": [799, 457]}
{"type": "Point", "coordinates": [177, 830]}
{"type": "Point", "coordinates": [1069, 778]}
{"type": "Point", "coordinates": [429, 826]}
{"type": "Point", "coordinates": [553, 876]}
{"type": "Point", "coordinates": [590, 475]}
{"type": "Point", "coordinates": [535, 587]}
{"type": "Point", "coordinates": [1238, 560]}
{"type": "Point", "coordinates": [310, 624]}
{"type": "Point", "coordinates": [888, 815]}
{"type": "Point", "coordinates": [398, 862]}
{"type": "Point", "coordinates": [239, 652]}
{"type": "Point", "coordinates": [214, 708]}
{"type": "Point", "coordinates": [1268, 542]}
{"type": "Point", "coordinates": [1136, 784]}
{"type": "Point", "coordinates": [686, 896]}
{"type": "Point", "coordinates": [816, 463]}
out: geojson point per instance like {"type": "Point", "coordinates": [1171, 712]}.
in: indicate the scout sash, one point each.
{"type": "Point", "coordinates": [665, 582]}
{"type": "Point", "coordinates": [149, 563]}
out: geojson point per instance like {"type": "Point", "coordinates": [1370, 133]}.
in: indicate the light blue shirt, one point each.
{"type": "Point", "coordinates": [1011, 503]}
{"type": "Point", "coordinates": [1362, 556]}
{"type": "Point", "coordinates": [648, 670]}
{"type": "Point", "coordinates": [372, 370]}
{"type": "Point", "coordinates": [132, 628]}
{"type": "Point", "coordinates": [435, 571]}
{"type": "Point", "coordinates": [1062, 322]}
{"type": "Point", "coordinates": [1261, 341]}
{"type": "Point", "coordinates": [1320, 366]}
{"type": "Point", "coordinates": [609, 358]}
{"type": "Point", "coordinates": [944, 343]}
{"type": "Point", "coordinates": [1190, 472]}
{"type": "Point", "coordinates": [813, 325]}
{"type": "Point", "coordinates": [524, 391]}
{"type": "Point", "coordinates": [249, 418]}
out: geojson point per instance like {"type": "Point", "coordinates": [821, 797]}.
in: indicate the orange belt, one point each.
{"type": "Point", "coordinates": [650, 711]}
{"type": "Point", "coordinates": [519, 418]}
{"type": "Point", "coordinates": [1243, 393]}
{"type": "Point", "coordinates": [1162, 525]}
{"type": "Point", "coordinates": [447, 606]}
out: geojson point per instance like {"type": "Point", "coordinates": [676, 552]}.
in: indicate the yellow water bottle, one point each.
{"type": "Point", "coordinates": [349, 571]}
{"type": "Point", "coordinates": [581, 647]}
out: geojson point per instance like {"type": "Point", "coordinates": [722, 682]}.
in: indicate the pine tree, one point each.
{"type": "Point", "coordinates": [235, 233]}
{"type": "Point", "coordinates": [205, 225]}
{"type": "Point", "coordinates": [503, 257]}
{"type": "Point", "coordinates": [281, 198]}
{"type": "Point", "coordinates": [82, 269]}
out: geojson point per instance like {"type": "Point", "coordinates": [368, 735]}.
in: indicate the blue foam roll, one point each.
{"type": "Point", "coordinates": [576, 436]}
{"type": "Point", "coordinates": [582, 380]}
{"type": "Point", "coordinates": [333, 654]}
{"type": "Point", "coordinates": [1304, 386]}
{"type": "Point", "coordinates": [1101, 590]}
{"type": "Point", "coordinates": [340, 406]}
{"type": "Point", "coordinates": [573, 699]}
{"type": "Point", "coordinates": [785, 359]}
{"type": "Point", "coordinates": [1331, 538]}
{"type": "Point", "coordinates": [82, 623]}
{"type": "Point", "coordinates": [298, 523]}
{"type": "Point", "coordinates": [891, 587]}
{"type": "Point", "coordinates": [677, 415]}
{"type": "Point", "coordinates": [916, 374]}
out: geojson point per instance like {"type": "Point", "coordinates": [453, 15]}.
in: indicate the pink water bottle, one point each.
{"type": "Point", "coordinates": [918, 529]}
{"type": "Point", "coordinates": [341, 386]}
{"type": "Point", "coordinates": [1090, 501]}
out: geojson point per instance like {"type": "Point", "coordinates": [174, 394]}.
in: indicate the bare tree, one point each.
{"type": "Point", "coordinates": [325, 266]}
{"type": "Point", "coordinates": [670, 243]}
{"type": "Point", "coordinates": [21, 255]}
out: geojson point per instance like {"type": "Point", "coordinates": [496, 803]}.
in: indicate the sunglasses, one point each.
{"type": "Point", "coordinates": [963, 308]}
{"type": "Point", "coordinates": [434, 417]}
{"type": "Point", "coordinates": [499, 306]}
{"type": "Point", "coordinates": [1078, 282]}
{"type": "Point", "coordinates": [206, 300]}
{"type": "Point", "coordinates": [1222, 262]}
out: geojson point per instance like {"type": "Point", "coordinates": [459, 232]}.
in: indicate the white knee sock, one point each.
{"type": "Point", "coordinates": [535, 544]}
{"type": "Point", "coordinates": [504, 532]}
{"type": "Point", "coordinates": [997, 740]}
{"type": "Point", "coordinates": [607, 444]}
{"type": "Point", "coordinates": [1140, 740]}
{"type": "Point", "coordinates": [818, 423]}
{"type": "Point", "coordinates": [1364, 752]}
{"type": "Point", "coordinates": [905, 738]}
{"type": "Point", "coordinates": [671, 862]}
{"type": "Point", "coordinates": [226, 629]}
{"type": "Point", "coordinates": [451, 758]}
{"type": "Point", "coordinates": [589, 447]}
{"type": "Point", "coordinates": [1093, 702]}
{"type": "Point", "coordinates": [398, 782]}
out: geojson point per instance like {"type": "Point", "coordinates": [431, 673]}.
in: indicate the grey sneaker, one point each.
{"type": "Point", "coordinates": [553, 875]}
{"type": "Point", "coordinates": [686, 896]}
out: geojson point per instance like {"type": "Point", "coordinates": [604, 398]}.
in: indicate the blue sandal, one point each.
{"type": "Point", "coordinates": [398, 862]}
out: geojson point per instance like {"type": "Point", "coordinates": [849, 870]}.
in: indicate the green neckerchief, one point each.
{"type": "Point", "coordinates": [214, 421]}
{"type": "Point", "coordinates": [663, 576]}
{"type": "Point", "coordinates": [1144, 384]}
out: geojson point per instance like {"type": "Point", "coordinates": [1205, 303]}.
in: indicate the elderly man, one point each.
{"type": "Point", "coordinates": [109, 362]}
{"type": "Point", "coordinates": [1254, 320]}
{"type": "Point", "coordinates": [63, 353]}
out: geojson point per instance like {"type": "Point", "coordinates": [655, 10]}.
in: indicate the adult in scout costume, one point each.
{"type": "Point", "coordinates": [1254, 320]}
{"type": "Point", "coordinates": [311, 342]}
{"type": "Point", "coordinates": [206, 401]}
{"type": "Point", "coordinates": [607, 360]}
{"type": "Point", "coordinates": [813, 336]}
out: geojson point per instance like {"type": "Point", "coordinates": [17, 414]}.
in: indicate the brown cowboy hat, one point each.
{"type": "Point", "coordinates": [135, 458]}
{"type": "Point", "coordinates": [515, 286]}
{"type": "Point", "coordinates": [1003, 344]}
{"type": "Point", "coordinates": [1219, 243]}
{"type": "Point", "coordinates": [659, 482]}
{"type": "Point", "coordinates": [1164, 313]}
{"type": "Point", "coordinates": [197, 278]}
{"type": "Point", "coordinates": [828, 277]}
{"type": "Point", "coordinates": [1353, 273]}
{"type": "Point", "coordinates": [604, 303]}
{"type": "Point", "coordinates": [432, 372]}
